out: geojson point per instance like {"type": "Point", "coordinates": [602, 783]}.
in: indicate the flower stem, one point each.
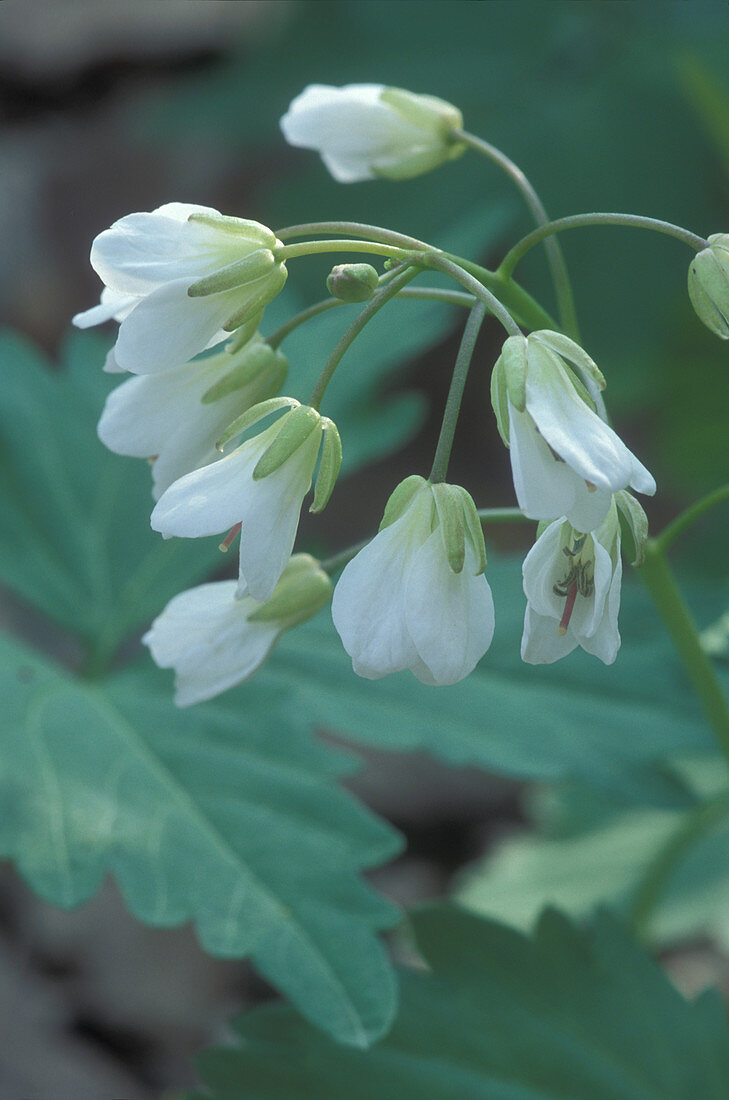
{"type": "Point", "coordinates": [311, 248]}
{"type": "Point", "coordinates": [450, 297]}
{"type": "Point", "coordinates": [657, 877]}
{"type": "Point", "coordinates": [576, 221]}
{"type": "Point", "coordinates": [671, 606]}
{"type": "Point", "coordinates": [670, 533]}
{"type": "Point", "coordinates": [380, 299]}
{"type": "Point", "coordinates": [352, 229]}
{"type": "Point", "coordinates": [503, 515]}
{"type": "Point", "coordinates": [441, 262]}
{"type": "Point", "coordinates": [455, 393]}
{"type": "Point", "coordinates": [558, 267]}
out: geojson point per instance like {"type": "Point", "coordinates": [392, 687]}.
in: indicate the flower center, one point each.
{"type": "Point", "coordinates": [578, 580]}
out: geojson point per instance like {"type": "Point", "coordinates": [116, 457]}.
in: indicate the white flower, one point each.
{"type": "Point", "coordinates": [175, 415]}
{"type": "Point", "coordinates": [180, 278]}
{"type": "Point", "coordinates": [363, 131]}
{"type": "Point", "coordinates": [708, 284]}
{"type": "Point", "coordinates": [572, 585]}
{"type": "Point", "coordinates": [214, 641]}
{"type": "Point", "coordinates": [565, 460]}
{"type": "Point", "coordinates": [260, 486]}
{"type": "Point", "coordinates": [415, 597]}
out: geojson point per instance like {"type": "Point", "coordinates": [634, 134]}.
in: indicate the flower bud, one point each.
{"type": "Point", "coordinates": [352, 282]}
{"type": "Point", "coordinates": [303, 589]}
{"type": "Point", "coordinates": [708, 284]}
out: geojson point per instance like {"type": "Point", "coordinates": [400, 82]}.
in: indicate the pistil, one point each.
{"type": "Point", "coordinates": [568, 609]}
{"type": "Point", "coordinates": [227, 541]}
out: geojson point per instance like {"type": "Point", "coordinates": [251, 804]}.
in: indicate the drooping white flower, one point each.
{"type": "Point", "coordinates": [178, 415]}
{"type": "Point", "coordinates": [572, 585]}
{"type": "Point", "coordinates": [180, 279]}
{"type": "Point", "coordinates": [260, 486]}
{"type": "Point", "coordinates": [565, 459]}
{"type": "Point", "coordinates": [363, 131]}
{"type": "Point", "coordinates": [214, 640]}
{"type": "Point", "coordinates": [416, 596]}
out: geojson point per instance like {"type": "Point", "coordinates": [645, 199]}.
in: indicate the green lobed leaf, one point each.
{"type": "Point", "coordinates": [564, 1015]}
{"type": "Point", "coordinates": [587, 853]}
{"type": "Point", "coordinates": [74, 518]}
{"type": "Point", "coordinates": [226, 815]}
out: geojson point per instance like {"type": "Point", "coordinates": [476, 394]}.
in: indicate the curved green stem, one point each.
{"type": "Point", "coordinates": [656, 879]}
{"type": "Point", "coordinates": [311, 248]}
{"type": "Point", "coordinates": [441, 262]}
{"type": "Point", "coordinates": [352, 229]}
{"type": "Point", "coordinates": [576, 221]}
{"type": "Point", "coordinates": [555, 257]}
{"type": "Point", "coordinates": [455, 393]}
{"type": "Point", "coordinates": [450, 297]}
{"type": "Point", "coordinates": [679, 622]}
{"type": "Point", "coordinates": [380, 299]}
{"type": "Point", "coordinates": [677, 526]}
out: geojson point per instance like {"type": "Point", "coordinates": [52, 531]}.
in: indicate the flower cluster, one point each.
{"type": "Point", "coordinates": [189, 286]}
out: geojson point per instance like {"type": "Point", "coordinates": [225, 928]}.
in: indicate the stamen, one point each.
{"type": "Point", "coordinates": [227, 541]}
{"type": "Point", "coordinates": [568, 609]}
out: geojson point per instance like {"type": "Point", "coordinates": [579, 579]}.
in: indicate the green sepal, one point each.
{"type": "Point", "coordinates": [426, 111]}
{"type": "Point", "coordinates": [474, 528]}
{"type": "Point", "coordinates": [500, 402]}
{"type": "Point", "coordinates": [256, 265]}
{"type": "Point", "coordinates": [244, 333]}
{"type": "Point", "coordinates": [542, 526]}
{"type": "Point", "coordinates": [273, 282]}
{"type": "Point", "coordinates": [637, 522]}
{"type": "Point", "coordinates": [241, 227]}
{"type": "Point", "coordinates": [579, 385]}
{"type": "Point", "coordinates": [296, 427]}
{"type": "Point", "coordinates": [258, 359]}
{"type": "Point", "coordinates": [400, 498]}
{"type": "Point", "coordinates": [329, 465]}
{"type": "Point", "coordinates": [252, 416]}
{"type": "Point", "coordinates": [570, 351]}
{"type": "Point", "coordinates": [303, 589]}
{"type": "Point", "coordinates": [514, 365]}
{"type": "Point", "coordinates": [453, 532]}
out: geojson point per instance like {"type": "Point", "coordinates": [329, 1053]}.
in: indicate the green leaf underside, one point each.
{"type": "Point", "coordinates": [226, 815]}
{"type": "Point", "coordinates": [565, 1015]}
{"type": "Point", "coordinates": [74, 518]}
{"type": "Point", "coordinates": [600, 860]}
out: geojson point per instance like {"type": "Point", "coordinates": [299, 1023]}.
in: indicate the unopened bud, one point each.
{"type": "Point", "coordinates": [708, 284]}
{"type": "Point", "coordinates": [352, 282]}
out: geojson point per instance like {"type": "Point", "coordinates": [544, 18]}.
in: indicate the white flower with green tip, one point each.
{"type": "Point", "coordinates": [365, 131]}
{"type": "Point", "coordinates": [214, 641]}
{"type": "Point", "coordinates": [181, 278]}
{"type": "Point", "coordinates": [565, 459]}
{"type": "Point", "coordinates": [176, 416]}
{"type": "Point", "coordinates": [572, 585]}
{"type": "Point", "coordinates": [416, 596]}
{"type": "Point", "coordinates": [259, 486]}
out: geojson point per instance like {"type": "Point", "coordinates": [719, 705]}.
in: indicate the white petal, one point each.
{"type": "Point", "coordinates": [168, 327]}
{"type": "Point", "coordinates": [605, 642]}
{"type": "Point", "coordinates": [112, 306]}
{"type": "Point", "coordinates": [205, 636]}
{"type": "Point", "coordinates": [450, 616]}
{"type": "Point", "coordinates": [590, 506]}
{"type": "Point", "coordinates": [543, 567]}
{"type": "Point", "coordinates": [209, 501]}
{"type": "Point", "coordinates": [545, 487]}
{"type": "Point", "coordinates": [574, 431]}
{"type": "Point", "coordinates": [368, 606]}
{"type": "Point", "coordinates": [541, 644]}
{"type": "Point", "coordinates": [143, 251]}
{"type": "Point", "coordinates": [270, 518]}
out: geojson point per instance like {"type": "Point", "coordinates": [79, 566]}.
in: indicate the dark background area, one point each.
{"type": "Point", "coordinates": [112, 107]}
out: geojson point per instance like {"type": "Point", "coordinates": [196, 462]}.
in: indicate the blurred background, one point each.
{"type": "Point", "coordinates": [114, 107]}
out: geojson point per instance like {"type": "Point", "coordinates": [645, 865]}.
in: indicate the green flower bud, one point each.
{"type": "Point", "coordinates": [256, 366]}
{"type": "Point", "coordinates": [303, 589]}
{"type": "Point", "coordinates": [708, 284]}
{"type": "Point", "coordinates": [352, 282]}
